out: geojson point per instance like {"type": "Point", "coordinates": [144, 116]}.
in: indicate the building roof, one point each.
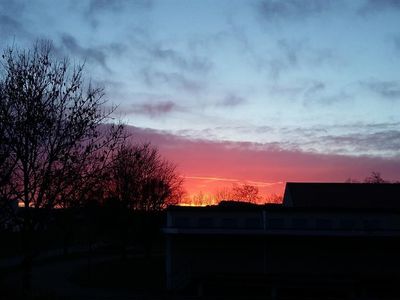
{"type": "Point", "coordinates": [342, 195]}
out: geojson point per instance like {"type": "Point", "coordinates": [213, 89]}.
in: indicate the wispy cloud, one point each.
{"type": "Point", "coordinates": [386, 89]}
{"type": "Point", "coordinates": [210, 178]}
{"type": "Point", "coordinates": [168, 52]}
{"type": "Point", "coordinates": [272, 10]}
{"type": "Point", "coordinates": [355, 139]}
{"type": "Point", "coordinates": [299, 51]}
{"type": "Point", "coordinates": [315, 88]}
{"type": "Point", "coordinates": [233, 180]}
{"type": "Point", "coordinates": [89, 53]}
{"type": "Point", "coordinates": [374, 6]}
{"type": "Point", "coordinates": [116, 6]}
{"type": "Point", "coordinates": [294, 54]}
{"type": "Point", "coordinates": [231, 100]}
{"type": "Point", "coordinates": [153, 110]}
{"type": "Point", "coordinates": [289, 10]}
{"type": "Point", "coordinates": [396, 43]}
{"type": "Point", "coordinates": [11, 27]}
{"type": "Point", "coordinates": [383, 142]}
{"type": "Point", "coordinates": [184, 62]}
{"type": "Point", "coordinates": [312, 92]}
{"type": "Point", "coordinates": [322, 98]}
{"type": "Point", "coordinates": [176, 80]}
{"type": "Point", "coordinates": [381, 139]}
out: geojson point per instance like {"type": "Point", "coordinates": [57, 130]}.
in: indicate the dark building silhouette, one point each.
{"type": "Point", "coordinates": [342, 195]}
{"type": "Point", "coordinates": [337, 240]}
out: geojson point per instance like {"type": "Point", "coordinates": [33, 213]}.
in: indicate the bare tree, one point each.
{"type": "Point", "coordinates": [201, 199]}
{"type": "Point", "coordinates": [274, 198]}
{"type": "Point", "coordinates": [50, 123]}
{"type": "Point", "coordinates": [7, 159]}
{"type": "Point", "coordinates": [142, 180]}
{"type": "Point", "coordinates": [7, 162]}
{"type": "Point", "coordinates": [224, 193]}
{"type": "Point", "coordinates": [375, 177]}
{"type": "Point", "coordinates": [245, 192]}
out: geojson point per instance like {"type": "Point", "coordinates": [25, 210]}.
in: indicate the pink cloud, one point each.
{"type": "Point", "coordinates": [207, 165]}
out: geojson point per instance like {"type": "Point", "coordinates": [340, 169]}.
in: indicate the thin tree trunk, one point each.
{"type": "Point", "coordinates": [27, 252]}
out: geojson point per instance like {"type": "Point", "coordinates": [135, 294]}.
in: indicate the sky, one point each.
{"type": "Point", "coordinates": [258, 92]}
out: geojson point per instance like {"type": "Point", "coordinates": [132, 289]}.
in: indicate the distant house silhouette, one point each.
{"type": "Point", "coordinates": [325, 240]}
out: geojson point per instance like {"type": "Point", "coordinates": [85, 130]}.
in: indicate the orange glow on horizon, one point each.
{"type": "Point", "coordinates": [195, 201]}
{"type": "Point", "coordinates": [210, 190]}
{"type": "Point", "coordinates": [192, 204]}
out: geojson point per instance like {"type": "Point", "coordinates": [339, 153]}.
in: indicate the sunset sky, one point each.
{"type": "Point", "coordinates": [257, 92]}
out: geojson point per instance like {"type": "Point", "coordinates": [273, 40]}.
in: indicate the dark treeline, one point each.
{"type": "Point", "coordinates": [67, 169]}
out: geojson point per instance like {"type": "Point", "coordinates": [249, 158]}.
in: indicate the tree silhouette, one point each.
{"type": "Point", "coordinates": [246, 192]}
{"type": "Point", "coordinates": [7, 163]}
{"type": "Point", "coordinates": [274, 198]}
{"type": "Point", "coordinates": [142, 180]}
{"type": "Point", "coordinates": [223, 193]}
{"type": "Point", "coordinates": [375, 177]}
{"type": "Point", "coordinates": [51, 143]}
{"type": "Point", "coordinates": [202, 199]}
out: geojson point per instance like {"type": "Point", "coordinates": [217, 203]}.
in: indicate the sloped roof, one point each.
{"type": "Point", "coordinates": [342, 195]}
